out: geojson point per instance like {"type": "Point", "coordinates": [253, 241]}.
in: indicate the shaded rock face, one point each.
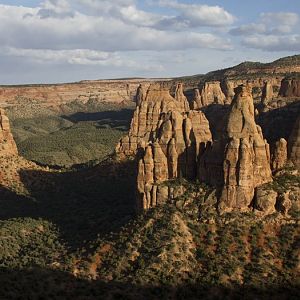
{"type": "Point", "coordinates": [211, 93]}
{"type": "Point", "coordinates": [267, 93]}
{"type": "Point", "coordinates": [265, 200]}
{"type": "Point", "coordinates": [147, 116]}
{"type": "Point", "coordinates": [294, 145]}
{"type": "Point", "coordinates": [279, 155]}
{"type": "Point", "coordinates": [228, 89]}
{"type": "Point", "coordinates": [240, 160]}
{"type": "Point", "coordinates": [290, 88]}
{"type": "Point", "coordinates": [7, 143]}
{"type": "Point", "coordinates": [140, 95]}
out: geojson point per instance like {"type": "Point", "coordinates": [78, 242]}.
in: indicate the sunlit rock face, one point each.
{"type": "Point", "coordinates": [240, 160]}
{"type": "Point", "coordinates": [7, 143]}
{"type": "Point", "coordinates": [210, 93]}
{"type": "Point", "coordinates": [147, 116]}
{"type": "Point", "coordinates": [173, 147]}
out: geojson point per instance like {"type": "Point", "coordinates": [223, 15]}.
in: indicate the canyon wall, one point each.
{"type": "Point", "coordinates": [115, 91]}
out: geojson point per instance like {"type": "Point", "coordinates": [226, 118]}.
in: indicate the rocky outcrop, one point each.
{"type": "Point", "coordinates": [181, 98]}
{"type": "Point", "coordinates": [111, 91]}
{"type": "Point", "coordinates": [265, 200]}
{"type": "Point", "coordinates": [147, 116]}
{"type": "Point", "coordinates": [290, 88]}
{"type": "Point", "coordinates": [7, 143]}
{"type": "Point", "coordinates": [267, 93]}
{"type": "Point", "coordinates": [174, 154]}
{"type": "Point", "coordinates": [239, 161]}
{"type": "Point", "coordinates": [210, 93]}
{"type": "Point", "coordinates": [174, 148]}
{"type": "Point", "coordinates": [228, 89]}
{"type": "Point", "coordinates": [294, 145]}
{"type": "Point", "coordinates": [279, 155]}
{"type": "Point", "coordinates": [140, 95]}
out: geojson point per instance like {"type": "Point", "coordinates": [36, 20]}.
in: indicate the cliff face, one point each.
{"type": "Point", "coordinates": [174, 154]}
{"type": "Point", "coordinates": [147, 116]}
{"type": "Point", "coordinates": [290, 88]}
{"type": "Point", "coordinates": [115, 91]}
{"type": "Point", "coordinates": [294, 145]}
{"type": "Point", "coordinates": [210, 93]}
{"type": "Point", "coordinates": [7, 143]}
{"type": "Point", "coordinates": [239, 161]}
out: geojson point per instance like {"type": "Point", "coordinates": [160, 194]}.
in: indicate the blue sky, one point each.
{"type": "Point", "coordinates": [62, 40]}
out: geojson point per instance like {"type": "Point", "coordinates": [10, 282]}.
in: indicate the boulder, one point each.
{"type": "Point", "coordinates": [265, 200]}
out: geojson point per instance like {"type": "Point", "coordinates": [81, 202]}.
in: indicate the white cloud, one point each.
{"type": "Point", "coordinates": [269, 24]}
{"type": "Point", "coordinates": [249, 29]}
{"type": "Point", "coordinates": [273, 32]}
{"type": "Point", "coordinates": [25, 28]}
{"type": "Point", "coordinates": [283, 18]}
{"type": "Point", "coordinates": [273, 42]}
{"type": "Point", "coordinates": [195, 15]}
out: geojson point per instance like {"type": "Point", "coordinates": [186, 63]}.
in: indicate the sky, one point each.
{"type": "Point", "coordinates": [53, 41]}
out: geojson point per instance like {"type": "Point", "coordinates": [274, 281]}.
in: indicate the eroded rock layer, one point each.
{"type": "Point", "coordinates": [174, 154]}
{"type": "Point", "coordinates": [290, 87]}
{"type": "Point", "coordinates": [211, 93]}
{"type": "Point", "coordinates": [7, 143]}
{"type": "Point", "coordinates": [147, 116]}
{"type": "Point", "coordinates": [237, 162]}
{"type": "Point", "coordinates": [240, 160]}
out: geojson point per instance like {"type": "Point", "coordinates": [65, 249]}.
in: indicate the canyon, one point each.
{"type": "Point", "coordinates": [200, 196]}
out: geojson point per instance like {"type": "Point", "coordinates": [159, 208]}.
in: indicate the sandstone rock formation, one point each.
{"type": "Point", "coordinates": [294, 145]}
{"type": "Point", "coordinates": [174, 154]}
{"type": "Point", "coordinates": [265, 200]}
{"type": "Point", "coordinates": [228, 88]}
{"type": "Point", "coordinates": [240, 160]}
{"type": "Point", "coordinates": [181, 98]}
{"type": "Point", "coordinates": [112, 91]}
{"type": "Point", "coordinates": [7, 143]}
{"type": "Point", "coordinates": [279, 156]}
{"type": "Point", "coordinates": [173, 147]}
{"type": "Point", "coordinates": [267, 93]}
{"type": "Point", "coordinates": [290, 88]}
{"type": "Point", "coordinates": [210, 93]}
{"type": "Point", "coordinates": [147, 116]}
{"type": "Point", "coordinates": [140, 95]}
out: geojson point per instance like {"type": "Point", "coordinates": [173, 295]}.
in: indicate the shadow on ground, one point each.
{"type": "Point", "coordinates": [49, 284]}
{"type": "Point", "coordinates": [113, 118]}
{"type": "Point", "coordinates": [82, 204]}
